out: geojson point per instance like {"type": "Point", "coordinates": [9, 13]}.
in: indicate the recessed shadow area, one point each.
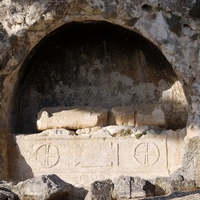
{"type": "Point", "coordinates": [90, 64]}
{"type": "Point", "coordinates": [178, 195]}
{"type": "Point", "coordinates": [15, 160]}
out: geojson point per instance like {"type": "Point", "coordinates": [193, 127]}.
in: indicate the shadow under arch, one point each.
{"type": "Point", "coordinates": [93, 63]}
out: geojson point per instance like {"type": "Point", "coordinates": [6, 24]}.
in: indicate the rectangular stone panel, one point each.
{"type": "Point", "coordinates": [145, 155]}
{"type": "Point", "coordinates": [94, 153]}
{"type": "Point", "coordinates": [79, 159]}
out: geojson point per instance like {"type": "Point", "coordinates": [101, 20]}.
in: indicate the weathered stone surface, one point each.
{"type": "Point", "coordinates": [44, 187]}
{"type": "Point", "coordinates": [88, 130]}
{"type": "Point", "coordinates": [173, 28]}
{"type": "Point", "coordinates": [115, 131]}
{"type": "Point", "coordinates": [141, 188]}
{"type": "Point", "coordinates": [151, 116]}
{"type": "Point", "coordinates": [190, 168]}
{"type": "Point", "coordinates": [49, 187]}
{"type": "Point", "coordinates": [28, 22]}
{"type": "Point", "coordinates": [132, 187]}
{"type": "Point", "coordinates": [71, 117]}
{"type": "Point", "coordinates": [101, 190]}
{"type": "Point", "coordinates": [3, 152]}
{"type": "Point", "coordinates": [89, 117]}
{"type": "Point", "coordinates": [122, 116]}
{"type": "Point", "coordinates": [122, 187]}
{"type": "Point", "coordinates": [83, 159]}
{"type": "Point", "coordinates": [168, 185]}
{"type": "Point", "coordinates": [6, 194]}
{"type": "Point", "coordinates": [185, 195]}
{"type": "Point", "coordinates": [58, 131]}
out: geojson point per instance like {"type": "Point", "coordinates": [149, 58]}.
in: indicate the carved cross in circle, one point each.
{"type": "Point", "coordinates": [147, 153]}
{"type": "Point", "coordinates": [47, 155]}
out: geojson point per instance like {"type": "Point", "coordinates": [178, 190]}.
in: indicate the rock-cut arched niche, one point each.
{"type": "Point", "coordinates": [96, 64]}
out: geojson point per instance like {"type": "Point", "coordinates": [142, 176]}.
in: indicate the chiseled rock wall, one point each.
{"type": "Point", "coordinates": [173, 26]}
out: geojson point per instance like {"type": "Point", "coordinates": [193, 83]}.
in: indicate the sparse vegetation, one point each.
{"type": "Point", "coordinates": [139, 135]}
{"type": "Point", "coordinates": [122, 133]}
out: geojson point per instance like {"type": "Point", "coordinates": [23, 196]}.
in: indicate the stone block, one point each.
{"type": "Point", "coordinates": [122, 116]}
{"type": "Point", "coordinates": [71, 117]}
{"type": "Point", "coordinates": [101, 190]}
{"type": "Point", "coordinates": [83, 159]}
{"type": "Point", "coordinates": [38, 188]}
{"type": "Point", "coordinates": [132, 187]}
{"type": "Point", "coordinates": [167, 185]}
{"type": "Point", "coordinates": [151, 116]}
{"type": "Point", "coordinates": [141, 188]}
{"type": "Point", "coordinates": [122, 188]}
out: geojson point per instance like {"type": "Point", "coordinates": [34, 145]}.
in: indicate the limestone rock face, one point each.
{"type": "Point", "coordinates": [172, 26]}
{"type": "Point", "coordinates": [71, 117]}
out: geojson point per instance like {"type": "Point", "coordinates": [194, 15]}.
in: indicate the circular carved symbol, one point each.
{"type": "Point", "coordinates": [47, 155]}
{"type": "Point", "coordinates": [147, 153]}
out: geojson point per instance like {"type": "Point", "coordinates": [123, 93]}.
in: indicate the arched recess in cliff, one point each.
{"type": "Point", "coordinates": [97, 64]}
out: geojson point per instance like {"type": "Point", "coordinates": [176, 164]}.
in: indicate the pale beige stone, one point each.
{"type": "Point", "coordinates": [80, 161]}
{"type": "Point", "coordinates": [181, 49]}
{"type": "Point", "coordinates": [71, 117]}
{"type": "Point", "coordinates": [151, 116]}
{"type": "Point", "coordinates": [122, 116]}
{"type": "Point", "coordinates": [58, 131]}
{"type": "Point", "coordinates": [88, 130]}
{"type": "Point", "coordinates": [197, 164]}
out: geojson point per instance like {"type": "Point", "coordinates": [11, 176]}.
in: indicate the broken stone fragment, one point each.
{"type": "Point", "coordinates": [168, 185]}
{"type": "Point", "coordinates": [44, 187]}
{"type": "Point", "coordinates": [101, 190]}
{"type": "Point", "coordinates": [88, 130]}
{"type": "Point", "coordinates": [150, 116]}
{"type": "Point", "coordinates": [122, 116]}
{"type": "Point", "coordinates": [71, 117]}
{"type": "Point", "coordinates": [117, 131]}
{"type": "Point", "coordinates": [58, 131]}
{"type": "Point", "coordinates": [126, 187]}
{"type": "Point", "coordinates": [122, 188]}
